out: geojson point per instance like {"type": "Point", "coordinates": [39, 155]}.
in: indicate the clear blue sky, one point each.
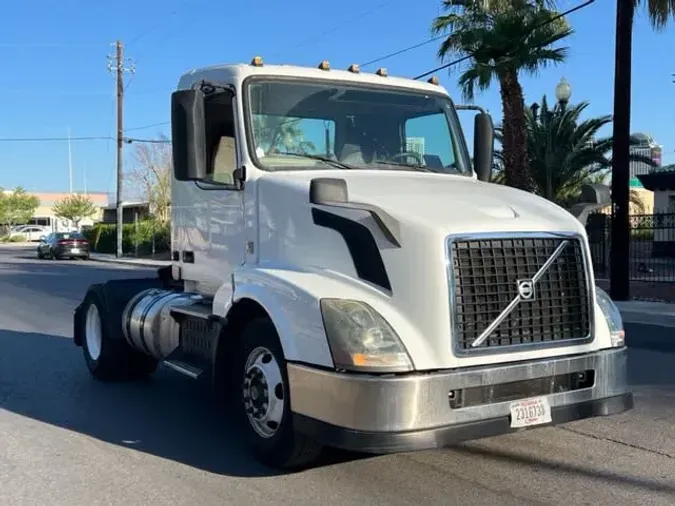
{"type": "Point", "coordinates": [55, 75]}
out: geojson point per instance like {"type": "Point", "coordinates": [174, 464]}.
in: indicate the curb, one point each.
{"type": "Point", "coordinates": [647, 313]}
{"type": "Point", "coordinates": [648, 318]}
{"type": "Point", "coordinates": [131, 262]}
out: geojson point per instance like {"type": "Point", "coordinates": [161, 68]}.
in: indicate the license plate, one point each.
{"type": "Point", "coordinates": [76, 250]}
{"type": "Point", "coordinates": [529, 412]}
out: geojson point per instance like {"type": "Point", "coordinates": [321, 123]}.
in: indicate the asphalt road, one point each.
{"type": "Point", "coordinates": [66, 440]}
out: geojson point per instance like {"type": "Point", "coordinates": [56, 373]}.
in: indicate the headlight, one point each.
{"type": "Point", "coordinates": [361, 339]}
{"type": "Point", "coordinates": [612, 316]}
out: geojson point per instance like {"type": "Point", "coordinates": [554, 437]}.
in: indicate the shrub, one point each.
{"type": "Point", "coordinates": [102, 237]}
{"type": "Point", "coordinates": [645, 234]}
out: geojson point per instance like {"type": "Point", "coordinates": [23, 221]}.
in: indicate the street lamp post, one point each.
{"type": "Point", "coordinates": [563, 92]}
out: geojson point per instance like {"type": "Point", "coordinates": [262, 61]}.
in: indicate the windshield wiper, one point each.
{"type": "Point", "coordinates": [401, 164]}
{"type": "Point", "coordinates": [324, 159]}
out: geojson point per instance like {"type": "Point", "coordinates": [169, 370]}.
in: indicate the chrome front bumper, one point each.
{"type": "Point", "coordinates": [409, 412]}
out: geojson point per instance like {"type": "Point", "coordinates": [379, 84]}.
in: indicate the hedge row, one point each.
{"type": "Point", "coordinates": [103, 237]}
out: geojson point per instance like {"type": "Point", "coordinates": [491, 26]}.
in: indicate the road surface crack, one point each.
{"type": "Point", "coordinates": [617, 441]}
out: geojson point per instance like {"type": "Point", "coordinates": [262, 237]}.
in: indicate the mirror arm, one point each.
{"type": "Point", "coordinates": [463, 107]}
{"type": "Point", "coordinates": [209, 88]}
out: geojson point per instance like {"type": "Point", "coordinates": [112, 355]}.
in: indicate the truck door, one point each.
{"type": "Point", "coordinates": [221, 224]}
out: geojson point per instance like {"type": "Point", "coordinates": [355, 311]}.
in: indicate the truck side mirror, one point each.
{"type": "Point", "coordinates": [188, 135]}
{"type": "Point", "coordinates": [595, 194]}
{"type": "Point", "coordinates": [483, 146]}
{"type": "Point", "coordinates": [592, 198]}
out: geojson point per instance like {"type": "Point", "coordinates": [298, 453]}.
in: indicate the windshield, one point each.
{"type": "Point", "coordinates": [309, 125]}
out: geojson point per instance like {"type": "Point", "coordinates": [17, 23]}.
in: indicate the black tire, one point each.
{"type": "Point", "coordinates": [116, 360]}
{"type": "Point", "coordinates": [286, 449]}
{"type": "Point", "coordinates": [39, 254]}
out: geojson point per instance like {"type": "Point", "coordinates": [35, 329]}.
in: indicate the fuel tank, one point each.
{"type": "Point", "coordinates": [148, 325]}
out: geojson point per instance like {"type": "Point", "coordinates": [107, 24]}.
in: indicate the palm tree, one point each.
{"type": "Point", "coordinates": [280, 135]}
{"type": "Point", "coordinates": [502, 39]}
{"type": "Point", "coordinates": [565, 153]}
{"type": "Point", "coordinates": [659, 12]}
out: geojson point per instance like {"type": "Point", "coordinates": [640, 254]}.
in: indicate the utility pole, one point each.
{"type": "Point", "coordinates": [70, 164]}
{"type": "Point", "coordinates": [119, 68]}
{"type": "Point", "coordinates": [619, 275]}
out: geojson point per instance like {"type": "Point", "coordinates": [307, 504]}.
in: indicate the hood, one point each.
{"type": "Point", "coordinates": [451, 204]}
{"type": "Point", "coordinates": [407, 285]}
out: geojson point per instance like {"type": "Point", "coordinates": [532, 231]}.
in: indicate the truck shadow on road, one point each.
{"type": "Point", "coordinates": [568, 469]}
{"type": "Point", "coordinates": [44, 377]}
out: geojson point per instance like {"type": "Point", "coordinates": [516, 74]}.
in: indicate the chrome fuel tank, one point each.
{"type": "Point", "coordinates": [148, 325]}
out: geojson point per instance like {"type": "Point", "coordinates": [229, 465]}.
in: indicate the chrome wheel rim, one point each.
{"type": "Point", "coordinates": [263, 392]}
{"type": "Point", "coordinates": [93, 332]}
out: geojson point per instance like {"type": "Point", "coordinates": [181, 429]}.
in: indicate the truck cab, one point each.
{"type": "Point", "coordinates": [344, 273]}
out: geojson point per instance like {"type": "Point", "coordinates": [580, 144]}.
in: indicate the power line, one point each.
{"type": "Point", "coordinates": [130, 140]}
{"type": "Point", "coordinates": [401, 51]}
{"type": "Point", "coordinates": [84, 138]}
{"type": "Point", "coordinates": [338, 27]}
{"type": "Point", "coordinates": [160, 24]}
{"type": "Point", "coordinates": [145, 127]}
{"type": "Point", "coordinates": [554, 18]}
{"type": "Point", "coordinates": [55, 139]}
{"type": "Point", "coordinates": [20, 45]}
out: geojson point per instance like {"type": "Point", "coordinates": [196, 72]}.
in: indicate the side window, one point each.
{"type": "Point", "coordinates": [429, 137]}
{"type": "Point", "coordinates": [221, 149]}
{"type": "Point", "coordinates": [284, 134]}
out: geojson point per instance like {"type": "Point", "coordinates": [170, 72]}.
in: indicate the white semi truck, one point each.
{"type": "Point", "coordinates": [344, 273]}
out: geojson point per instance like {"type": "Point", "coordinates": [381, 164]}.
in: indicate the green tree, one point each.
{"type": "Point", "coordinates": [565, 152]}
{"type": "Point", "coordinates": [17, 207]}
{"type": "Point", "coordinates": [501, 39]}
{"type": "Point", "coordinates": [75, 208]}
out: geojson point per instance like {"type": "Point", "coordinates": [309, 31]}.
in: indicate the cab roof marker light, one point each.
{"type": "Point", "coordinates": [382, 72]}
{"type": "Point", "coordinates": [324, 65]}
{"type": "Point", "coordinates": [257, 61]}
{"type": "Point", "coordinates": [354, 68]}
{"type": "Point", "coordinates": [433, 80]}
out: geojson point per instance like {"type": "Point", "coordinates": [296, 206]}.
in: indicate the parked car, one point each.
{"type": "Point", "coordinates": [32, 233]}
{"type": "Point", "coordinates": [59, 245]}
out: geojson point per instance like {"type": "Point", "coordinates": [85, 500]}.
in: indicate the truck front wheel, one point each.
{"type": "Point", "coordinates": [109, 358]}
{"type": "Point", "coordinates": [265, 401]}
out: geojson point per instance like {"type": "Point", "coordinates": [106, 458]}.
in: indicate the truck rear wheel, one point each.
{"type": "Point", "coordinates": [109, 358]}
{"type": "Point", "coordinates": [264, 400]}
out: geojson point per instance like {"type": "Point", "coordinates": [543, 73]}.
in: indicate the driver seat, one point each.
{"type": "Point", "coordinates": [351, 154]}
{"type": "Point", "coordinates": [224, 161]}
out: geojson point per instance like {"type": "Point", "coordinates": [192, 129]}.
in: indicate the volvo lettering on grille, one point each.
{"type": "Point", "coordinates": [526, 292]}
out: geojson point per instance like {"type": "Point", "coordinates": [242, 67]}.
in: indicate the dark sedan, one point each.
{"type": "Point", "coordinates": [60, 245]}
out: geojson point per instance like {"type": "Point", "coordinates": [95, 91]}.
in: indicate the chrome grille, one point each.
{"type": "Point", "coordinates": [516, 291]}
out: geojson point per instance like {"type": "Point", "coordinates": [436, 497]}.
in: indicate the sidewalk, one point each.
{"type": "Point", "coordinates": [141, 262]}
{"type": "Point", "coordinates": [649, 313]}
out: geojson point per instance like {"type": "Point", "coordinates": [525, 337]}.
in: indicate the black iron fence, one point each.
{"type": "Point", "coordinates": [652, 246]}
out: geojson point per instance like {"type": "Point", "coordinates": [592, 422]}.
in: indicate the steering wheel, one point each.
{"type": "Point", "coordinates": [407, 154]}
